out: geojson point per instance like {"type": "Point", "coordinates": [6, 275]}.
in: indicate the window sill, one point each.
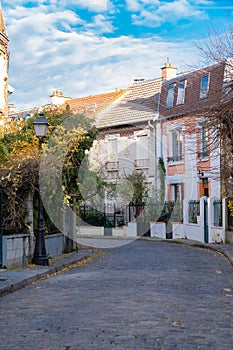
{"type": "Point", "coordinates": [204, 159]}
{"type": "Point", "coordinates": [178, 162]}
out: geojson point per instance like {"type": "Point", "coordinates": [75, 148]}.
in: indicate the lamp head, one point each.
{"type": "Point", "coordinates": [41, 125]}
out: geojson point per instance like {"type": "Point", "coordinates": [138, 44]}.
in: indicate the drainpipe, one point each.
{"type": "Point", "coordinates": [154, 131]}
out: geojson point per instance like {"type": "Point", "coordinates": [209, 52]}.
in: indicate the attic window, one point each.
{"type": "Point", "coordinates": [181, 93]}
{"type": "Point", "coordinates": [170, 96]}
{"type": "Point", "coordinates": [204, 86]}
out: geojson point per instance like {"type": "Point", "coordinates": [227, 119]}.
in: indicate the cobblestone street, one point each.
{"type": "Point", "coordinates": [144, 295]}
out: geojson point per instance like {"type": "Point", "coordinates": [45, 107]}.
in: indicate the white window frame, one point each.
{"type": "Point", "coordinates": [203, 141]}
{"type": "Point", "coordinates": [170, 96]}
{"type": "Point", "coordinates": [177, 188]}
{"type": "Point", "coordinates": [179, 156]}
{"type": "Point", "coordinates": [204, 91]}
{"type": "Point", "coordinates": [181, 93]}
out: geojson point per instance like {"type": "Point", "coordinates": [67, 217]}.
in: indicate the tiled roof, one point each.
{"type": "Point", "coordinates": [89, 106]}
{"type": "Point", "coordinates": [138, 104]}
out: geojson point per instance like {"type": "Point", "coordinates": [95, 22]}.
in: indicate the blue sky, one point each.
{"type": "Point", "coordinates": [84, 47]}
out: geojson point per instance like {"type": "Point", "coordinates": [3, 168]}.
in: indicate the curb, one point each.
{"type": "Point", "coordinates": [195, 244]}
{"type": "Point", "coordinates": [47, 273]}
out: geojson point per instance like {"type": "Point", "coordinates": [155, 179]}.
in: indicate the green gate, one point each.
{"type": "Point", "coordinates": [206, 228]}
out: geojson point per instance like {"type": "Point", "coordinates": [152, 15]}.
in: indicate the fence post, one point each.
{"type": "Point", "coordinates": [224, 217]}
{"type": "Point", "coordinates": [69, 222]}
{"type": "Point", "coordinates": [204, 219]}
{"type": "Point", "coordinates": [29, 220]}
{"type": "Point", "coordinates": [185, 211]}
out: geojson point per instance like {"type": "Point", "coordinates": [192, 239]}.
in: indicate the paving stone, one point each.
{"type": "Point", "coordinates": [144, 295]}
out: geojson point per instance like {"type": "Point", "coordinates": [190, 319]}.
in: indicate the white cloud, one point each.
{"type": "Point", "coordinates": [101, 24]}
{"type": "Point", "coordinates": [91, 5]}
{"type": "Point", "coordinates": [155, 13]}
{"type": "Point", "coordinates": [137, 5]}
{"type": "Point", "coordinates": [202, 2]}
{"type": "Point", "coordinates": [59, 50]}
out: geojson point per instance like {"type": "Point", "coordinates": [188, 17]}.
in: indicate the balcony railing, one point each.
{"type": "Point", "coordinates": [141, 163]}
{"type": "Point", "coordinates": [112, 166]}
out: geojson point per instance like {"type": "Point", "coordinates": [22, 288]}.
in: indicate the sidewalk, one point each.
{"type": "Point", "coordinates": [225, 249]}
{"type": "Point", "coordinates": [11, 280]}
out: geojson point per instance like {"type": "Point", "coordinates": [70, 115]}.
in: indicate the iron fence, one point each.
{"type": "Point", "coordinates": [112, 216]}
{"type": "Point", "coordinates": [217, 212]}
{"type": "Point", "coordinates": [194, 211]}
{"type": "Point", "coordinates": [103, 215]}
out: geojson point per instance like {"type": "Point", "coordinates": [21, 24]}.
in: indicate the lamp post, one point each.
{"type": "Point", "coordinates": [40, 257]}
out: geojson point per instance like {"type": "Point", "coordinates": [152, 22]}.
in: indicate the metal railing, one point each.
{"type": "Point", "coordinates": [194, 211]}
{"type": "Point", "coordinates": [110, 166]}
{"type": "Point", "coordinates": [141, 163]}
{"type": "Point", "coordinates": [217, 212]}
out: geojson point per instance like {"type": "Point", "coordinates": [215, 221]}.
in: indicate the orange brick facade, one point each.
{"type": "Point", "coordinates": [184, 128]}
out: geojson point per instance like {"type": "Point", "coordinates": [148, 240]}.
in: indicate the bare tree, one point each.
{"type": "Point", "coordinates": [218, 48]}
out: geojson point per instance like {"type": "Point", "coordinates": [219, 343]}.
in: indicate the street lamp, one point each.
{"type": "Point", "coordinates": [40, 257]}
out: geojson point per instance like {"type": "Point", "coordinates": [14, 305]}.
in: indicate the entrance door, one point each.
{"type": "Point", "coordinates": [205, 187]}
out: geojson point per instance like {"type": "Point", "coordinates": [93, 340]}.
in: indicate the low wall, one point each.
{"type": "Point", "coordinates": [120, 231]}
{"type": "Point", "coordinates": [90, 231]}
{"type": "Point", "coordinates": [132, 229]}
{"type": "Point", "coordinates": [178, 230]}
{"type": "Point", "coordinates": [229, 237]}
{"type": "Point", "coordinates": [15, 250]}
{"type": "Point", "coordinates": [217, 235]}
{"type": "Point", "coordinates": [158, 229]}
{"type": "Point", "coordinates": [54, 244]}
{"type": "Point", "coordinates": [193, 231]}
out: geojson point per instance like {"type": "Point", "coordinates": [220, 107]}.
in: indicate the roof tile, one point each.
{"type": "Point", "coordinates": [139, 103]}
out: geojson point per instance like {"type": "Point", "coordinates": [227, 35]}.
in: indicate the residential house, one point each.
{"type": "Point", "coordinates": [191, 155]}
{"type": "Point", "coordinates": [126, 131]}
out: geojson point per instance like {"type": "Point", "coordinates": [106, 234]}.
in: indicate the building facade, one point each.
{"type": "Point", "coordinates": [191, 155]}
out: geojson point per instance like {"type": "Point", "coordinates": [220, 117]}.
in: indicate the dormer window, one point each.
{"type": "Point", "coordinates": [170, 96]}
{"type": "Point", "coordinates": [204, 86]}
{"type": "Point", "coordinates": [181, 93]}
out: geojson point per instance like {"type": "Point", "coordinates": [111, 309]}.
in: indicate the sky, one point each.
{"type": "Point", "coordinates": [87, 47]}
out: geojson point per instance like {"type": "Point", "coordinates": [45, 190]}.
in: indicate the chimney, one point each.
{"type": "Point", "coordinates": [168, 71]}
{"type": "Point", "coordinates": [58, 98]}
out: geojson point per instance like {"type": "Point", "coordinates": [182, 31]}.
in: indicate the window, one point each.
{"type": "Point", "coordinates": [170, 96]}
{"type": "Point", "coordinates": [177, 192]}
{"type": "Point", "coordinates": [204, 86]}
{"type": "Point", "coordinates": [112, 146]}
{"type": "Point", "coordinates": [142, 149]}
{"type": "Point", "coordinates": [181, 93]}
{"type": "Point", "coordinates": [176, 146]}
{"type": "Point", "coordinates": [203, 142]}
